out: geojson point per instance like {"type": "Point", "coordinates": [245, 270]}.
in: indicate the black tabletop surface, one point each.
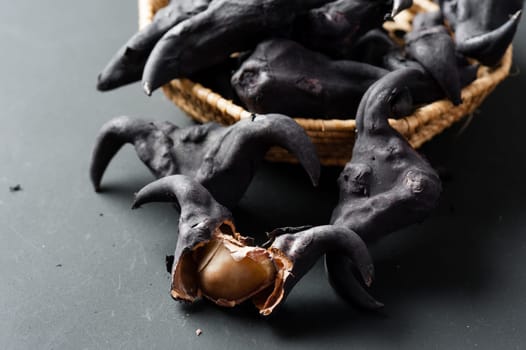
{"type": "Point", "coordinates": [80, 270]}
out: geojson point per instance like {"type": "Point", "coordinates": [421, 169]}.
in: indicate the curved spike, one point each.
{"type": "Point", "coordinates": [424, 44]}
{"type": "Point", "coordinates": [196, 204]}
{"type": "Point", "coordinates": [283, 131]}
{"type": "Point", "coordinates": [235, 156]}
{"type": "Point", "coordinates": [489, 48]}
{"type": "Point", "coordinates": [341, 239]}
{"type": "Point", "coordinates": [169, 58]}
{"type": "Point", "coordinates": [128, 63]}
{"type": "Point", "coordinates": [247, 141]}
{"type": "Point", "coordinates": [204, 40]}
{"type": "Point", "coordinates": [343, 281]}
{"type": "Point", "coordinates": [200, 216]}
{"type": "Point", "coordinates": [306, 247]}
{"type": "Point", "coordinates": [123, 68]}
{"type": "Point", "coordinates": [388, 97]}
{"type": "Point", "coordinates": [400, 5]}
{"type": "Point", "coordinates": [112, 136]}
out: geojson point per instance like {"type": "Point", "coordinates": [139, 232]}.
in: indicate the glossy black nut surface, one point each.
{"type": "Point", "coordinates": [341, 275]}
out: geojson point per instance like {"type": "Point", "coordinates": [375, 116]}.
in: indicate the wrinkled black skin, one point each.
{"type": "Point", "coordinates": [188, 37]}
{"type": "Point", "coordinates": [128, 63]}
{"type": "Point", "coordinates": [201, 215]}
{"type": "Point", "coordinates": [431, 45]}
{"type": "Point", "coordinates": [426, 89]}
{"type": "Point", "coordinates": [225, 27]}
{"type": "Point", "coordinates": [387, 185]}
{"type": "Point", "coordinates": [444, 74]}
{"type": "Point", "coordinates": [335, 27]}
{"type": "Point", "coordinates": [304, 248]}
{"type": "Point", "coordinates": [483, 28]}
{"type": "Point", "coordinates": [385, 172]}
{"type": "Point", "coordinates": [281, 76]}
{"type": "Point", "coordinates": [223, 159]}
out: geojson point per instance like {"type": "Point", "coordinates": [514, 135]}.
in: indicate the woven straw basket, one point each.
{"type": "Point", "coordinates": [334, 138]}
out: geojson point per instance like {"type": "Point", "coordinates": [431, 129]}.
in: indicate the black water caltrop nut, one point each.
{"type": "Point", "coordinates": [212, 260]}
{"type": "Point", "coordinates": [281, 76]}
{"type": "Point", "coordinates": [483, 28]}
{"type": "Point", "coordinates": [387, 185]}
{"type": "Point", "coordinates": [385, 172]}
{"type": "Point", "coordinates": [128, 63]}
{"type": "Point", "coordinates": [335, 27]}
{"type": "Point", "coordinates": [223, 159]}
{"type": "Point", "coordinates": [208, 38]}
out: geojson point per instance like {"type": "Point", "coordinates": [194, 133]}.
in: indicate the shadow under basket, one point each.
{"type": "Point", "coordinates": [334, 138]}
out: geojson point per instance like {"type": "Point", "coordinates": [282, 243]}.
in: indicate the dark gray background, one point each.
{"type": "Point", "coordinates": [72, 279]}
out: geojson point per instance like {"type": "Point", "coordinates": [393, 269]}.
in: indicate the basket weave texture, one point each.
{"type": "Point", "coordinates": [334, 138]}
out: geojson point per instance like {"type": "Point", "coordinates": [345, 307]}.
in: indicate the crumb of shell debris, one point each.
{"type": "Point", "coordinates": [198, 332]}
{"type": "Point", "coordinates": [15, 188]}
